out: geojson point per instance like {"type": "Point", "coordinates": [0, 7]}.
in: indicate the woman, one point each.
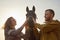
{"type": "Point", "coordinates": [10, 32]}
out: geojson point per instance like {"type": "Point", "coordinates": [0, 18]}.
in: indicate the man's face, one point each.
{"type": "Point", "coordinates": [48, 16]}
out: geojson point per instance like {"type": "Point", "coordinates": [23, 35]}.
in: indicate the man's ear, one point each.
{"type": "Point", "coordinates": [27, 9]}
{"type": "Point", "coordinates": [33, 8]}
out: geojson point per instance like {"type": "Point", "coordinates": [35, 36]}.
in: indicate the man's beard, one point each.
{"type": "Point", "coordinates": [47, 19]}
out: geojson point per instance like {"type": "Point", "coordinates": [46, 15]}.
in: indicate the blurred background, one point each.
{"type": "Point", "coordinates": [17, 9]}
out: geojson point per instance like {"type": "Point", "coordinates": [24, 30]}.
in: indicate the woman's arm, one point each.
{"type": "Point", "coordinates": [18, 31]}
{"type": "Point", "coordinates": [15, 32]}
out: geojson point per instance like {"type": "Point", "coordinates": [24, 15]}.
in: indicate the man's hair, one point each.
{"type": "Point", "coordinates": [52, 11]}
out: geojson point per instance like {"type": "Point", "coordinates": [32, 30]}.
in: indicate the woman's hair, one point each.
{"type": "Point", "coordinates": [8, 23]}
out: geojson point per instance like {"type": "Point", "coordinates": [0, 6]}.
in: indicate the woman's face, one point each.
{"type": "Point", "coordinates": [13, 23]}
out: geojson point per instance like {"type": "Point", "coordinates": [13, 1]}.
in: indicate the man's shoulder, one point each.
{"type": "Point", "coordinates": [55, 22]}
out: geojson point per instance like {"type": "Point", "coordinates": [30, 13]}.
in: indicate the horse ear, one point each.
{"type": "Point", "coordinates": [27, 9]}
{"type": "Point", "coordinates": [33, 8]}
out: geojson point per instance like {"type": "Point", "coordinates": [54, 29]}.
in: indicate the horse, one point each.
{"type": "Point", "coordinates": [29, 34]}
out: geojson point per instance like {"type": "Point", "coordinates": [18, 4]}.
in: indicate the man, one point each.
{"type": "Point", "coordinates": [51, 29]}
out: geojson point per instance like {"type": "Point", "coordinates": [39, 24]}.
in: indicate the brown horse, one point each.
{"type": "Point", "coordinates": [30, 35]}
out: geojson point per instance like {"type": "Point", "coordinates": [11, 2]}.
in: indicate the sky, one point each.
{"type": "Point", "coordinates": [17, 9]}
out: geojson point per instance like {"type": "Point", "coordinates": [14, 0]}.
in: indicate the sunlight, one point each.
{"type": "Point", "coordinates": [17, 9]}
{"type": "Point", "coordinates": [17, 14]}
{"type": "Point", "coordinates": [20, 19]}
